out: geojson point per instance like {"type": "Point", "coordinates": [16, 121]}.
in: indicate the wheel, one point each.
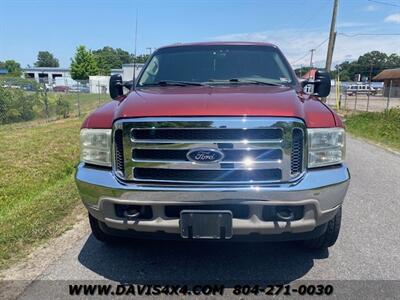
{"type": "Point", "coordinates": [329, 237]}
{"type": "Point", "coordinates": [99, 234]}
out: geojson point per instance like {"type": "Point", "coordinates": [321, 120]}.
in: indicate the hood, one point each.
{"type": "Point", "coordinates": [222, 101]}
{"type": "Point", "coordinates": [239, 100]}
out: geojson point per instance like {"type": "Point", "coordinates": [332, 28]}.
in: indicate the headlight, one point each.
{"type": "Point", "coordinates": [326, 146]}
{"type": "Point", "coordinates": [96, 146]}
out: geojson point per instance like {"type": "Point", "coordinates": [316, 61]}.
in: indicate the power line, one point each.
{"type": "Point", "coordinates": [308, 52]}
{"type": "Point", "coordinates": [319, 45]}
{"type": "Point", "coordinates": [365, 34]}
{"type": "Point", "coordinates": [297, 60]}
{"type": "Point", "coordinates": [384, 3]}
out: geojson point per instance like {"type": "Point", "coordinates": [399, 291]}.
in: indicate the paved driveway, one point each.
{"type": "Point", "coordinates": [368, 246]}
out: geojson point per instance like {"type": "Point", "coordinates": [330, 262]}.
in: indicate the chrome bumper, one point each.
{"type": "Point", "coordinates": [321, 191]}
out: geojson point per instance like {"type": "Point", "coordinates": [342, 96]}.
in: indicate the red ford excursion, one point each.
{"type": "Point", "coordinates": [215, 141]}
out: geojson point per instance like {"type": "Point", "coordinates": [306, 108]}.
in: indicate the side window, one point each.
{"type": "Point", "coordinates": [151, 70]}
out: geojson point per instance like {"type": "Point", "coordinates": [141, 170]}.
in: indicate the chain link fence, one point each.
{"type": "Point", "coordinates": [348, 98]}
{"type": "Point", "coordinates": [26, 99]}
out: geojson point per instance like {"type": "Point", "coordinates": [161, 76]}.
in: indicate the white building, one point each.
{"type": "Point", "coordinates": [99, 84]}
{"type": "Point", "coordinates": [62, 77]}
{"type": "Point", "coordinates": [127, 71]}
{"type": "Point", "coordinates": [46, 74]}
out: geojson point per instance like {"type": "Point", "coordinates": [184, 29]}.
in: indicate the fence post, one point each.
{"type": "Point", "coordinates": [390, 91]}
{"type": "Point", "coordinates": [79, 103]}
{"type": "Point", "coordinates": [46, 101]}
{"type": "Point", "coordinates": [345, 100]}
{"type": "Point", "coordinates": [355, 102]}
{"type": "Point", "coordinates": [99, 90]}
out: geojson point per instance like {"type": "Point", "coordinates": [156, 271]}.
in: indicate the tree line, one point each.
{"type": "Point", "coordinates": [84, 63]}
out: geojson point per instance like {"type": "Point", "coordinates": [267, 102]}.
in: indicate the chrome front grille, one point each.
{"type": "Point", "coordinates": [256, 150]}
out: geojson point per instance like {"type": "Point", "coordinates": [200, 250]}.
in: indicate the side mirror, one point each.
{"type": "Point", "coordinates": [116, 86]}
{"type": "Point", "coordinates": [322, 83]}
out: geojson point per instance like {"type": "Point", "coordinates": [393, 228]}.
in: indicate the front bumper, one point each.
{"type": "Point", "coordinates": [320, 191]}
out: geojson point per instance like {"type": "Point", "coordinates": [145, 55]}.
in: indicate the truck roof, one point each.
{"type": "Point", "coordinates": [220, 43]}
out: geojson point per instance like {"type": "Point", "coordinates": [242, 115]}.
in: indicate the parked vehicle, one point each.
{"type": "Point", "coordinates": [79, 88]}
{"type": "Point", "coordinates": [215, 141]}
{"type": "Point", "coordinates": [28, 87]}
{"type": "Point", "coordinates": [361, 89]}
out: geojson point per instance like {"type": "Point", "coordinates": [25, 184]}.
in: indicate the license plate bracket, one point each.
{"type": "Point", "coordinates": [206, 224]}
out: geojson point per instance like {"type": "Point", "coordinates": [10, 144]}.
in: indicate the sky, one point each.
{"type": "Point", "coordinates": [295, 26]}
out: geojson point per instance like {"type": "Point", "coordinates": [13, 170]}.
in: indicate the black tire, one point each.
{"type": "Point", "coordinates": [330, 236]}
{"type": "Point", "coordinates": [99, 234]}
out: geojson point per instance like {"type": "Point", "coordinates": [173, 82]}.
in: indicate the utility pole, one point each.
{"type": "Point", "coordinates": [332, 37]}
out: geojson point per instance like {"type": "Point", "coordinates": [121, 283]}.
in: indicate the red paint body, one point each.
{"type": "Point", "coordinates": [227, 101]}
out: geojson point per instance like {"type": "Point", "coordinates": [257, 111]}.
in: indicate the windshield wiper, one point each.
{"type": "Point", "coordinates": [174, 82]}
{"type": "Point", "coordinates": [248, 81]}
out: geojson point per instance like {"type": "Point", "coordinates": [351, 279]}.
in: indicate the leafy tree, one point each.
{"type": "Point", "coordinates": [83, 64]}
{"type": "Point", "coordinates": [301, 71]}
{"type": "Point", "coordinates": [142, 58]}
{"type": "Point", "coordinates": [46, 59]}
{"type": "Point", "coordinates": [13, 68]}
{"type": "Point", "coordinates": [370, 63]}
{"type": "Point", "coordinates": [393, 60]}
{"type": "Point", "coordinates": [124, 56]}
{"type": "Point", "coordinates": [109, 58]}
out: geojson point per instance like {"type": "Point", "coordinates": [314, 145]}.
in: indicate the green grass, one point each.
{"type": "Point", "coordinates": [37, 189]}
{"type": "Point", "coordinates": [380, 127]}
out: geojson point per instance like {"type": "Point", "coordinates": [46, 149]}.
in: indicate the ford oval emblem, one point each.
{"type": "Point", "coordinates": [205, 155]}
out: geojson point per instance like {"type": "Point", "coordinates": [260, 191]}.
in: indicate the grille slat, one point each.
{"type": "Point", "coordinates": [233, 155]}
{"type": "Point", "coordinates": [229, 175]}
{"type": "Point", "coordinates": [194, 134]}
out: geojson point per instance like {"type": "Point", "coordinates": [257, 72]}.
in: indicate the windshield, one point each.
{"type": "Point", "coordinates": [224, 64]}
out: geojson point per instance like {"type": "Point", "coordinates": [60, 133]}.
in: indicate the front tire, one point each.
{"type": "Point", "coordinates": [99, 234]}
{"type": "Point", "coordinates": [329, 237]}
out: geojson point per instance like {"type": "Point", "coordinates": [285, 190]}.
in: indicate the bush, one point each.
{"type": "Point", "coordinates": [62, 107]}
{"type": "Point", "coordinates": [17, 105]}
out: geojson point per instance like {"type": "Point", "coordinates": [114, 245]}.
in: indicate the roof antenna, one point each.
{"type": "Point", "coordinates": [134, 58]}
